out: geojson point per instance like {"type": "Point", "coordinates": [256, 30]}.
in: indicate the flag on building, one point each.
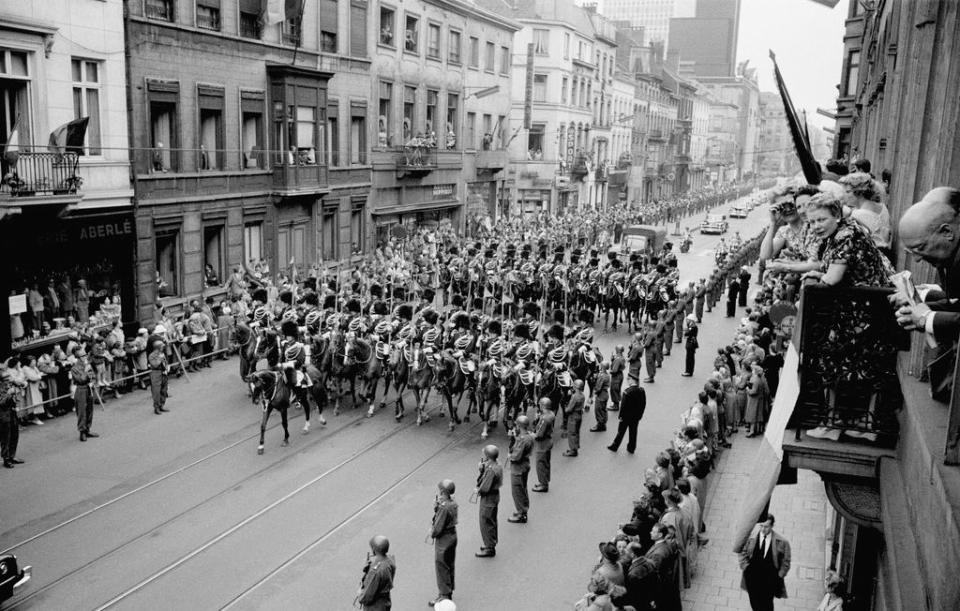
{"type": "Point", "coordinates": [274, 12]}
{"type": "Point", "coordinates": [11, 152]}
{"type": "Point", "coordinates": [811, 170]}
{"type": "Point", "coordinates": [69, 137]}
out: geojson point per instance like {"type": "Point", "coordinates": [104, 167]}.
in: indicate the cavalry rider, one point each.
{"type": "Point", "coordinates": [295, 356]}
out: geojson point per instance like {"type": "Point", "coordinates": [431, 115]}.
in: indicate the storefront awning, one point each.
{"type": "Point", "coordinates": [416, 207]}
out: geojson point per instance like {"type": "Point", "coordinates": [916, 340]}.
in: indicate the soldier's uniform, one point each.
{"type": "Point", "coordinates": [519, 473]}
{"type": "Point", "coordinates": [700, 299]}
{"type": "Point", "coordinates": [669, 325]}
{"type": "Point", "coordinates": [660, 337]}
{"type": "Point", "coordinates": [444, 535]}
{"type": "Point", "coordinates": [488, 491]}
{"type": "Point", "coordinates": [159, 370]}
{"type": "Point", "coordinates": [376, 586]}
{"type": "Point", "coordinates": [543, 448]}
{"type": "Point", "coordinates": [650, 353]}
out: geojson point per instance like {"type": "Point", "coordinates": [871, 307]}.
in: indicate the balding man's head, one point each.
{"type": "Point", "coordinates": [523, 422]}
{"type": "Point", "coordinates": [930, 229]}
{"type": "Point", "coordinates": [380, 545]}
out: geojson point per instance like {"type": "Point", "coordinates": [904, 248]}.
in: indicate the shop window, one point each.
{"type": "Point", "coordinates": [253, 243]}
{"type": "Point", "coordinates": [333, 133]}
{"type": "Point", "coordinates": [453, 118]}
{"type": "Point", "coordinates": [358, 28]}
{"type": "Point", "coordinates": [167, 256]}
{"type": "Point", "coordinates": [431, 124]}
{"type": "Point", "coordinates": [539, 87]}
{"type": "Point", "coordinates": [328, 25]}
{"type": "Point", "coordinates": [385, 115]}
{"type": "Point", "coordinates": [541, 40]}
{"type": "Point", "coordinates": [250, 19]}
{"type": "Point", "coordinates": [433, 41]}
{"type": "Point", "coordinates": [208, 14]}
{"type": "Point", "coordinates": [411, 34]}
{"type": "Point", "coordinates": [409, 112]}
{"type": "Point", "coordinates": [213, 249]}
{"type": "Point", "coordinates": [471, 137]}
{"type": "Point", "coordinates": [358, 136]}
{"type": "Point", "coordinates": [357, 228]}
{"type": "Point", "coordinates": [328, 236]}
{"type": "Point", "coordinates": [491, 53]}
{"type": "Point", "coordinates": [474, 52]}
{"type": "Point", "coordinates": [504, 60]}
{"type": "Point", "coordinates": [251, 131]}
{"type": "Point", "coordinates": [86, 101]}
{"type": "Point", "coordinates": [388, 25]}
{"type": "Point", "coordinates": [453, 47]}
{"type": "Point", "coordinates": [159, 9]}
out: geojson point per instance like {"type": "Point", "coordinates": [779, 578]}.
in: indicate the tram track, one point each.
{"type": "Point", "coordinates": [207, 499]}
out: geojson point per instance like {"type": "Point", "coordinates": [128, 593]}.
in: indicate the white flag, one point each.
{"type": "Point", "coordinates": [274, 13]}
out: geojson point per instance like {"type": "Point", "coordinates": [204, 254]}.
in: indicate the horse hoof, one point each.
{"type": "Point", "coordinates": [466, 418]}
{"type": "Point", "coordinates": [323, 421]}
{"type": "Point", "coordinates": [306, 428]}
{"type": "Point", "coordinates": [336, 411]}
{"type": "Point", "coordinates": [419, 421]}
{"type": "Point", "coordinates": [260, 450]}
{"type": "Point", "coordinates": [483, 435]}
{"type": "Point", "coordinates": [451, 427]}
{"type": "Point", "coordinates": [284, 443]}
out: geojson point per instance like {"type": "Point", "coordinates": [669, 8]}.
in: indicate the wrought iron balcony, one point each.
{"type": "Point", "coordinates": [41, 173]}
{"type": "Point", "coordinates": [416, 160]}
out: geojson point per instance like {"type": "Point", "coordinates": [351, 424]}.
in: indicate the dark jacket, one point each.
{"type": "Point", "coordinates": [633, 403]}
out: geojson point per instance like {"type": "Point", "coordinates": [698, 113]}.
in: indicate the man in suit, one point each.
{"type": "Point", "coordinates": [691, 344]}
{"type": "Point", "coordinates": [488, 491]}
{"type": "Point", "coordinates": [930, 230]}
{"type": "Point", "coordinates": [574, 411]}
{"type": "Point", "coordinates": [632, 406]}
{"type": "Point", "coordinates": [733, 291]}
{"type": "Point", "coordinates": [543, 444]}
{"type": "Point", "coordinates": [765, 561]}
{"type": "Point", "coordinates": [640, 579]}
{"type": "Point", "coordinates": [665, 556]}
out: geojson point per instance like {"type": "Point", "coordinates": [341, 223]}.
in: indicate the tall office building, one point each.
{"type": "Point", "coordinates": [653, 15]}
{"type": "Point", "coordinates": [707, 41]}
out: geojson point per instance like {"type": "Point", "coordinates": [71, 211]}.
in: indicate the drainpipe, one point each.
{"type": "Point", "coordinates": [131, 325]}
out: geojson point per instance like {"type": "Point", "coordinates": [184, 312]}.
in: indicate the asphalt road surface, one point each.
{"type": "Point", "coordinates": [179, 512]}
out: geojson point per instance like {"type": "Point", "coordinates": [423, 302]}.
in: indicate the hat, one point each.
{"type": "Point", "coordinates": [445, 605]}
{"type": "Point", "coordinates": [609, 551]}
{"type": "Point", "coordinates": [141, 331]}
{"type": "Point", "coordinates": [159, 329]}
{"type": "Point", "coordinates": [692, 317]}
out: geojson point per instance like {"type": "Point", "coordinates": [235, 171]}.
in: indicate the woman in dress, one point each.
{"type": "Point", "coordinates": [32, 397]}
{"type": "Point", "coordinates": [863, 196]}
{"type": "Point", "coordinates": [757, 408]}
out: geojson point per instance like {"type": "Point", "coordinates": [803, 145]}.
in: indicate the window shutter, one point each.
{"type": "Point", "coordinates": [253, 7]}
{"type": "Point", "coordinates": [358, 29]}
{"type": "Point", "coordinates": [328, 16]}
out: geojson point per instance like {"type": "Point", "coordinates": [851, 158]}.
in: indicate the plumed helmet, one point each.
{"type": "Point", "coordinates": [429, 315]}
{"type": "Point", "coordinates": [405, 312]}
{"type": "Point", "coordinates": [431, 335]}
{"type": "Point", "coordinates": [353, 305]}
{"type": "Point", "coordinates": [559, 316]}
{"type": "Point", "coordinates": [586, 317]}
{"type": "Point", "coordinates": [380, 308]}
{"type": "Point", "coordinates": [383, 327]}
{"type": "Point", "coordinates": [616, 264]}
{"type": "Point", "coordinates": [463, 342]}
{"type": "Point", "coordinates": [494, 327]}
{"type": "Point", "coordinates": [376, 290]}
{"type": "Point", "coordinates": [330, 302]}
{"type": "Point", "coordinates": [477, 303]}
{"type": "Point", "coordinates": [524, 352]}
{"type": "Point", "coordinates": [556, 332]}
{"type": "Point", "coordinates": [293, 351]}
{"type": "Point", "coordinates": [259, 295]}
{"type": "Point", "coordinates": [457, 300]}
{"type": "Point", "coordinates": [611, 255]}
{"type": "Point", "coordinates": [522, 330]}
{"type": "Point", "coordinates": [461, 320]}
{"type": "Point", "coordinates": [289, 328]}
{"type": "Point", "coordinates": [311, 299]}
{"type": "Point", "coordinates": [429, 294]}
{"type": "Point", "coordinates": [260, 313]}
{"type": "Point", "coordinates": [531, 309]}
{"type": "Point", "coordinates": [495, 349]}
{"type": "Point", "coordinates": [557, 355]}
{"type": "Point", "coordinates": [286, 297]}
{"type": "Point", "coordinates": [313, 318]}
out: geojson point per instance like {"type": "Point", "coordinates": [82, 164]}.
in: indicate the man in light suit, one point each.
{"type": "Point", "coordinates": [765, 561]}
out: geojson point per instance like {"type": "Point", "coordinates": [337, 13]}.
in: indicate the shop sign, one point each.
{"type": "Point", "coordinates": [68, 232]}
{"type": "Point", "coordinates": [97, 231]}
{"type": "Point", "coordinates": [444, 191]}
{"type": "Point", "coordinates": [17, 304]}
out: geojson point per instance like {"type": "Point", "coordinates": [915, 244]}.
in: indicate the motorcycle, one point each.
{"type": "Point", "coordinates": [686, 244]}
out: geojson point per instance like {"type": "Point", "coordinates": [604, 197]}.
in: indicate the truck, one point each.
{"type": "Point", "coordinates": [640, 238]}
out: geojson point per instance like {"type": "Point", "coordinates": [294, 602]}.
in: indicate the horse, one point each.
{"type": "Point", "coordinates": [341, 366]}
{"type": "Point", "coordinates": [272, 389]}
{"type": "Point", "coordinates": [488, 394]}
{"type": "Point", "coordinates": [419, 378]}
{"type": "Point", "coordinates": [518, 382]}
{"type": "Point", "coordinates": [378, 368]}
{"type": "Point", "coordinates": [452, 381]}
{"type": "Point", "coordinates": [548, 385]}
{"type": "Point", "coordinates": [612, 300]}
{"type": "Point", "coordinates": [634, 305]}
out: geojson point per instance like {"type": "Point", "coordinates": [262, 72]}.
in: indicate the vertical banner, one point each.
{"type": "Point", "coordinates": [528, 91]}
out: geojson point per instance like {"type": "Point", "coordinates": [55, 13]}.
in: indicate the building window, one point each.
{"type": "Point", "coordinates": [563, 90]}
{"type": "Point", "coordinates": [86, 101]}
{"type": "Point", "coordinates": [210, 104]}
{"type": "Point", "coordinates": [409, 112]}
{"type": "Point", "coordinates": [431, 125]}
{"type": "Point", "coordinates": [453, 117]}
{"type": "Point", "coordinates": [535, 141]}
{"type": "Point", "coordinates": [541, 42]}
{"type": "Point", "coordinates": [251, 129]}
{"type": "Point", "coordinates": [433, 41]}
{"type": "Point", "coordinates": [253, 243]}
{"type": "Point", "coordinates": [333, 132]}
{"type": "Point", "coordinates": [328, 235]}
{"type": "Point", "coordinates": [291, 30]}
{"type": "Point", "coordinates": [411, 34]}
{"type": "Point", "coordinates": [159, 9]}
{"type": "Point", "coordinates": [302, 134]}
{"type": "Point", "coordinates": [487, 142]}
{"type": "Point", "coordinates": [539, 87]}
{"type": "Point", "coordinates": [474, 52]}
{"type": "Point", "coordinates": [356, 228]}
{"type": "Point", "coordinates": [358, 135]}
{"type": "Point", "coordinates": [250, 19]}
{"type": "Point", "coordinates": [358, 28]}
{"type": "Point", "coordinates": [329, 12]}
{"type": "Point", "coordinates": [385, 115]}
{"type": "Point", "coordinates": [471, 136]}
{"type": "Point", "coordinates": [490, 64]}
{"type": "Point", "coordinates": [213, 246]}
{"type": "Point", "coordinates": [208, 14]}
{"type": "Point", "coordinates": [163, 133]}
{"type": "Point", "coordinates": [167, 253]}
{"type": "Point", "coordinates": [566, 45]}
{"type": "Point", "coordinates": [387, 25]}
{"type": "Point", "coordinates": [453, 50]}
{"type": "Point", "coordinates": [504, 60]}
{"type": "Point", "coordinates": [853, 73]}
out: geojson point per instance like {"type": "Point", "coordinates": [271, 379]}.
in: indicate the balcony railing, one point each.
{"type": "Point", "coordinates": [41, 173]}
{"type": "Point", "coordinates": [416, 160]}
{"type": "Point", "coordinates": [848, 339]}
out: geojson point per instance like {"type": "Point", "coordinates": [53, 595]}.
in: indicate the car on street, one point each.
{"type": "Point", "coordinates": [12, 577]}
{"type": "Point", "coordinates": [740, 210]}
{"type": "Point", "coordinates": [714, 223]}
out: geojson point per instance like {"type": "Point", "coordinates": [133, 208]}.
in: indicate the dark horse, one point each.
{"type": "Point", "coordinates": [378, 368]}
{"type": "Point", "coordinates": [419, 378]}
{"type": "Point", "coordinates": [518, 387]}
{"type": "Point", "coordinates": [488, 395]}
{"type": "Point", "coordinates": [341, 364]}
{"type": "Point", "coordinates": [453, 378]}
{"type": "Point", "coordinates": [272, 390]}
{"type": "Point", "coordinates": [613, 300]}
{"type": "Point", "coordinates": [548, 385]}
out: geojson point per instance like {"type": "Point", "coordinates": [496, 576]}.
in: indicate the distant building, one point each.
{"type": "Point", "coordinates": [708, 40]}
{"type": "Point", "coordinates": [777, 156]}
{"type": "Point", "coordinates": [652, 15]}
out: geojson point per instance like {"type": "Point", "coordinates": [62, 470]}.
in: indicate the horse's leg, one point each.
{"type": "Point", "coordinates": [353, 392]}
{"type": "Point", "coordinates": [263, 426]}
{"type": "Point", "coordinates": [337, 391]}
{"type": "Point", "coordinates": [400, 386]}
{"type": "Point", "coordinates": [371, 395]}
{"type": "Point", "coordinates": [387, 381]}
{"type": "Point", "coordinates": [606, 316]}
{"type": "Point", "coordinates": [286, 431]}
{"type": "Point", "coordinates": [304, 399]}
{"type": "Point", "coordinates": [416, 397]}
{"type": "Point", "coordinates": [453, 414]}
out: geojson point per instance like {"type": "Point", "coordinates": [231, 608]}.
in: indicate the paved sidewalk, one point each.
{"type": "Point", "coordinates": [801, 512]}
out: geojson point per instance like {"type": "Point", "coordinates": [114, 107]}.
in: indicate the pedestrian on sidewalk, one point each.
{"type": "Point", "coordinates": [159, 372]}
{"type": "Point", "coordinates": [521, 448]}
{"type": "Point", "coordinates": [632, 406]}
{"type": "Point", "coordinates": [765, 562]}
{"type": "Point", "coordinates": [543, 443]}
{"type": "Point", "coordinates": [574, 410]}
{"type": "Point", "coordinates": [617, 365]}
{"type": "Point", "coordinates": [488, 493]}
{"type": "Point", "coordinates": [601, 395]}
{"type": "Point", "coordinates": [733, 291]}
{"type": "Point", "coordinates": [444, 535]}
{"type": "Point", "coordinates": [690, 344]}
{"type": "Point", "coordinates": [377, 582]}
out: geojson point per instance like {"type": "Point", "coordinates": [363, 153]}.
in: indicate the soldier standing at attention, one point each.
{"type": "Point", "coordinates": [669, 323]}
{"type": "Point", "coordinates": [636, 354]}
{"type": "Point", "coordinates": [659, 330]}
{"type": "Point", "coordinates": [574, 410]}
{"type": "Point", "coordinates": [83, 396]}
{"type": "Point", "coordinates": [488, 490]}
{"type": "Point", "coordinates": [444, 534]}
{"type": "Point", "coordinates": [650, 353]}
{"type": "Point", "coordinates": [520, 469]}
{"type": "Point", "coordinates": [601, 395]}
{"type": "Point", "coordinates": [378, 575]}
{"type": "Point", "coordinates": [159, 372]}
{"type": "Point", "coordinates": [701, 298]}
{"type": "Point", "coordinates": [543, 444]}
{"type": "Point", "coordinates": [617, 366]}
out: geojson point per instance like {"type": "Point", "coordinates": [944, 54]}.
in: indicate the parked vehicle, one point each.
{"type": "Point", "coordinates": [714, 223]}
{"type": "Point", "coordinates": [12, 577]}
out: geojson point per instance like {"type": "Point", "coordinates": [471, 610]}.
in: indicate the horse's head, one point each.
{"type": "Point", "coordinates": [255, 381]}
